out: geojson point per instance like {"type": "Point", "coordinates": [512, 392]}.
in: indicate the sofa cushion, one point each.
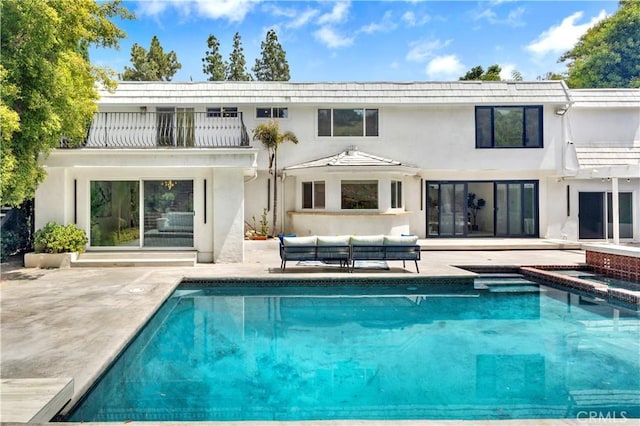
{"type": "Point", "coordinates": [400, 240]}
{"type": "Point", "coordinates": [341, 240]}
{"type": "Point", "coordinates": [367, 240]}
{"type": "Point", "coordinates": [300, 241]}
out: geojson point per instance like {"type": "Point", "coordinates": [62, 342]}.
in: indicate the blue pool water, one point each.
{"type": "Point", "coordinates": [502, 348]}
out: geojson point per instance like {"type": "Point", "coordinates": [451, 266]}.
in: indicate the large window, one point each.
{"type": "Point", "coordinates": [348, 122]}
{"type": "Point", "coordinates": [509, 127]}
{"type": "Point", "coordinates": [359, 194]}
{"type": "Point", "coordinates": [313, 195]}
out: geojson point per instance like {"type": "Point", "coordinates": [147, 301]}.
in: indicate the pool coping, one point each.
{"type": "Point", "coordinates": [158, 283]}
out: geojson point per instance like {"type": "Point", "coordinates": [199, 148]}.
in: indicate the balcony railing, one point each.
{"type": "Point", "coordinates": [164, 129]}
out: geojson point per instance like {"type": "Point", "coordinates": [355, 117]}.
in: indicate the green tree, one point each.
{"type": "Point", "coordinates": [272, 64]}
{"type": "Point", "coordinates": [154, 65]}
{"type": "Point", "coordinates": [237, 67]}
{"type": "Point", "coordinates": [271, 137]}
{"type": "Point", "coordinates": [478, 73]}
{"type": "Point", "coordinates": [212, 63]}
{"type": "Point", "coordinates": [608, 54]}
{"type": "Point", "coordinates": [551, 76]}
{"type": "Point", "coordinates": [48, 84]}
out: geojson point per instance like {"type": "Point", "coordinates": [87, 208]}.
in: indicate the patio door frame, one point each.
{"type": "Point", "coordinates": [518, 226]}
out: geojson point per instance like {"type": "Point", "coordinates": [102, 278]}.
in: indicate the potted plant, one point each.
{"type": "Point", "coordinates": [474, 206]}
{"type": "Point", "coordinates": [262, 232]}
{"type": "Point", "coordinates": [56, 246]}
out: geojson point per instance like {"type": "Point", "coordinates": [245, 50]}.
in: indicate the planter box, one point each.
{"type": "Point", "coordinates": [49, 260]}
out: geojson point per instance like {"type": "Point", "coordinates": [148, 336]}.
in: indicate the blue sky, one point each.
{"type": "Point", "coordinates": [366, 40]}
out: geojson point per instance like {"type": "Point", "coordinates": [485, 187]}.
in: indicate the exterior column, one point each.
{"type": "Point", "coordinates": [227, 194]}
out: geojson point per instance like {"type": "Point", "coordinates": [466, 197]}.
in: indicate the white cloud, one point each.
{"type": "Point", "coordinates": [513, 18]}
{"type": "Point", "coordinates": [302, 19]}
{"type": "Point", "coordinates": [420, 51]}
{"type": "Point", "coordinates": [386, 24]}
{"type": "Point", "coordinates": [338, 14]}
{"type": "Point", "coordinates": [506, 71]}
{"type": "Point", "coordinates": [446, 67]}
{"type": "Point", "coordinates": [560, 38]}
{"type": "Point", "coordinates": [231, 10]}
{"type": "Point", "coordinates": [410, 19]}
{"type": "Point", "coordinates": [331, 38]}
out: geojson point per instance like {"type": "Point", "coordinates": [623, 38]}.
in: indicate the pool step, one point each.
{"type": "Point", "coordinates": [101, 259]}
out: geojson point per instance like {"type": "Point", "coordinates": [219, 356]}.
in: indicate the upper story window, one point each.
{"type": "Point", "coordinates": [272, 112]}
{"type": "Point", "coordinates": [509, 127]}
{"type": "Point", "coordinates": [222, 112]}
{"type": "Point", "coordinates": [348, 122]}
{"type": "Point", "coordinates": [313, 195]}
{"type": "Point", "coordinates": [359, 194]}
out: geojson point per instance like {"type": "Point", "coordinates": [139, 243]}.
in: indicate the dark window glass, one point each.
{"type": "Point", "coordinates": [324, 122]}
{"type": "Point", "coordinates": [508, 128]}
{"type": "Point", "coordinates": [318, 195]}
{"type": "Point", "coordinates": [371, 119]}
{"type": "Point", "coordinates": [263, 112]}
{"type": "Point", "coordinates": [483, 128]}
{"type": "Point", "coordinates": [359, 194]}
{"type": "Point", "coordinates": [396, 194]}
{"type": "Point", "coordinates": [533, 122]}
{"type": "Point", "coordinates": [280, 112]}
{"type": "Point", "coordinates": [214, 112]}
{"type": "Point", "coordinates": [348, 122]}
{"type": "Point", "coordinates": [307, 195]}
{"type": "Point", "coordinates": [230, 112]}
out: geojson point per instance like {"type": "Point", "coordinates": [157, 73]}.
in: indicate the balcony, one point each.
{"type": "Point", "coordinates": [180, 128]}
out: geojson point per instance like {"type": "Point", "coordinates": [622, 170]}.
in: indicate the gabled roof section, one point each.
{"type": "Point", "coordinates": [361, 93]}
{"type": "Point", "coordinates": [351, 159]}
{"type": "Point", "coordinates": [610, 98]}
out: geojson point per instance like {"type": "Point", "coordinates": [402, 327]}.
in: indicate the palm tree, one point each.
{"type": "Point", "coordinates": [270, 136]}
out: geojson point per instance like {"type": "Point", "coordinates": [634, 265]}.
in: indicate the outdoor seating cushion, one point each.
{"type": "Point", "coordinates": [341, 240]}
{"type": "Point", "coordinates": [367, 240]}
{"type": "Point", "coordinates": [400, 240]}
{"type": "Point", "coordinates": [300, 241]}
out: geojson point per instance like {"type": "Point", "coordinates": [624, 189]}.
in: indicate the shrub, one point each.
{"type": "Point", "coordinates": [56, 238]}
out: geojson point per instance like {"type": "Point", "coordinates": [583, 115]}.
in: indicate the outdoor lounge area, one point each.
{"type": "Point", "coordinates": [346, 250]}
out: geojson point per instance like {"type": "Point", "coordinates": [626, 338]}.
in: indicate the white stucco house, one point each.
{"type": "Point", "coordinates": [172, 165]}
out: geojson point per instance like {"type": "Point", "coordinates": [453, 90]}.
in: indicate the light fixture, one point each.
{"type": "Point", "coordinates": [169, 184]}
{"type": "Point", "coordinates": [562, 110]}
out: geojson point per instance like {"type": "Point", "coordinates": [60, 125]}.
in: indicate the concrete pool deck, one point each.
{"type": "Point", "coordinates": [71, 323]}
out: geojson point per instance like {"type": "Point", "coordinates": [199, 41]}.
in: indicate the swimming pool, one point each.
{"type": "Point", "coordinates": [504, 347]}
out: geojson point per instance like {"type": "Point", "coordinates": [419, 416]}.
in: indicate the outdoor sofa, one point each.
{"type": "Point", "coordinates": [346, 250]}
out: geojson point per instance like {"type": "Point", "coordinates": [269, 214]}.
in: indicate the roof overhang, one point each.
{"type": "Point", "coordinates": [240, 158]}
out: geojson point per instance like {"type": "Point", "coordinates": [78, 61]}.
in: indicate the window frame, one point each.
{"type": "Point", "coordinates": [222, 112]}
{"type": "Point", "coordinates": [370, 122]}
{"type": "Point", "coordinates": [272, 112]}
{"type": "Point", "coordinates": [397, 201]}
{"type": "Point", "coordinates": [480, 141]}
{"type": "Point", "coordinates": [314, 195]}
{"type": "Point", "coordinates": [363, 182]}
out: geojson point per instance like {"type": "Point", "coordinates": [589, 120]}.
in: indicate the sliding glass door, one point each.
{"type": "Point", "coordinates": [482, 208]}
{"type": "Point", "coordinates": [516, 209]}
{"type": "Point", "coordinates": [447, 209]}
{"type": "Point", "coordinates": [165, 219]}
{"type": "Point", "coordinates": [595, 215]}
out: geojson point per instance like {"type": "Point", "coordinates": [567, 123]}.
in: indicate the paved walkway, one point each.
{"type": "Point", "coordinates": [73, 322]}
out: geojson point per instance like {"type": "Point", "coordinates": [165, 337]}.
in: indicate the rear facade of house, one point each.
{"type": "Point", "coordinates": [172, 166]}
